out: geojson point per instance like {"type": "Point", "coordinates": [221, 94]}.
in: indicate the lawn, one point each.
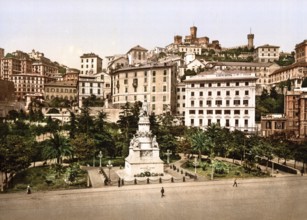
{"type": "Point", "coordinates": [223, 170]}
{"type": "Point", "coordinates": [48, 178]}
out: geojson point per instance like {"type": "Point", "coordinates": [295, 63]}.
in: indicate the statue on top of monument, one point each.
{"type": "Point", "coordinates": [144, 110]}
{"type": "Point", "coordinates": [154, 142]}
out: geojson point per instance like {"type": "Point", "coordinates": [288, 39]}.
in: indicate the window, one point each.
{"type": "Point", "coordinates": [164, 88]}
{"type": "Point", "coordinates": [91, 91]}
{"type": "Point", "coordinates": [200, 103]}
{"type": "Point", "coordinates": [201, 112]}
{"type": "Point", "coordinates": [246, 92]}
{"type": "Point", "coordinates": [145, 80]}
{"type": "Point", "coordinates": [245, 102]}
{"type": "Point", "coordinates": [227, 102]}
{"type": "Point", "coordinates": [246, 83]}
{"type": "Point", "coordinates": [237, 112]}
{"type": "Point", "coordinates": [227, 122]}
{"type": "Point", "coordinates": [236, 102]}
{"type": "Point", "coordinates": [202, 85]}
{"type": "Point", "coordinates": [83, 90]}
{"type": "Point", "coordinates": [209, 112]}
{"type": "Point", "coordinates": [178, 97]}
{"type": "Point", "coordinates": [200, 122]}
{"type": "Point", "coordinates": [218, 93]}
{"type": "Point", "coordinates": [164, 98]}
{"type": "Point", "coordinates": [135, 98]}
{"type": "Point", "coordinates": [192, 122]}
{"type": "Point", "coordinates": [154, 73]}
{"type": "Point", "coordinates": [210, 84]}
{"type": "Point", "coordinates": [246, 122]}
{"type": "Point", "coordinates": [218, 102]}
{"type": "Point", "coordinates": [153, 98]}
{"type": "Point", "coordinates": [126, 89]}
{"type": "Point", "coordinates": [153, 79]}
{"type": "Point", "coordinates": [237, 84]}
{"type": "Point", "coordinates": [164, 72]}
{"type": "Point", "coordinates": [192, 93]}
{"type": "Point", "coordinates": [192, 103]}
{"type": "Point", "coordinates": [228, 84]}
{"type": "Point", "coordinates": [153, 88]}
{"type": "Point", "coordinates": [209, 102]}
{"type": "Point", "coordinates": [192, 112]}
{"type": "Point", "coordinates": [218, 112]}
{"type": "Point", "coordinates": [145, 88]}
{"type": "Point", "coordinates": [246, 112]}
{"type": "Point", "coordinates": [126, 81]}
{"type": "Point", "coordinates": [226, 112]}
{"type": "Point", "coordinates": [135, 89]}
{"type": "Point", "coordinates": [218, 121]}
{"type": "Point", "coordinates": [236, 122]}
{"type": "Point", "coordinates": [153, 106]}
{"type": "Point", "coordinates": [237, 92]}
{"type": "Point", "coordinates": [218, 84]}
{"type": "Point", "coordinates": [209, 122]}
{"type": "Point", "coordinates": [135, 74]}
{"type": "Point", "coordinates": [126, 75]}
{"type": "Point", "coordinates": [209, 93]}
{"type": "Point", "coordinates": [183, 97]}
{"type": "Point", "coordinates": [200, 93]}
{"type": "Point", "coordinates": [192, 85]}
{"type": "Point", "coordinates": [164, 79]}
{"type": "Point", "coordinates": [145, 73]}
{"type": "Point", "coordinates": [228, 93]}
{"type": "Point", "coordinates": [98, 91]}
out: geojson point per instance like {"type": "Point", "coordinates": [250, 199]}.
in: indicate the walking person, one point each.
{"type": "Point", "coordinates": [235, 183]}
{"type": "Point", "coordinates": [162, 192]}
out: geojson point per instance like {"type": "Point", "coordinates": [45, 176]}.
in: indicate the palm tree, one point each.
{"type": "Point", "coordinates": [198, 140]}
{"type": "Point", "coordinates": [57, 147]}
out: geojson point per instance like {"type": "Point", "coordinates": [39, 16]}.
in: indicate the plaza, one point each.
{"type": "Point", "coordinates": [267, 198]}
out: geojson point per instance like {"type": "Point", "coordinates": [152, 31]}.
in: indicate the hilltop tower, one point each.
{"type": "Point", "coordinates": [250, 38]}
{"type": "Point", "coordinates": [193, 31]}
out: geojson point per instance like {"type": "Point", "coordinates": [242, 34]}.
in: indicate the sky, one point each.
{"type": "Point", "coordinates": [65, 29]}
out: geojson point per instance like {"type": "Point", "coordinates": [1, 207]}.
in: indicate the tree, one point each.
{"type": "Point", "coordinates": [14, 155]}
{"type": "Point", "coordinates": [83, 146]}
{"type": "Point", "coordinates": [198, 140]}
{"type": "Point", "coordinates": [57, 147]}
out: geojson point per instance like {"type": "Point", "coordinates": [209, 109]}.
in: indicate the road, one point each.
{"type": "Point", "coordinates": [270, 198]}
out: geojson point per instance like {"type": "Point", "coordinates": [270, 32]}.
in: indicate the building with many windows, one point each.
{"type": "Point", "coordinates": [90, 84]}
{"type": "Point", "coordinates": [266, 53]}
{"type": "Point", "coordinates": [154, 84]}
{"type": "Point", "coordinates": [301, 52]}
{"type": "Point", "coordinates": [61, 89]}
{"type": "Point", "coordinates": [262, 71]}
{"type": "Point", "coordinates": [222, 97]}
{"type": "Point", "coordinates": [90, 63]}
{"type": "Point", "coordinates": [29, 83]}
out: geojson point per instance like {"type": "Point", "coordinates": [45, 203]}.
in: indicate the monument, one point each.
{"type": "Point", "coordinates": [144, 150]}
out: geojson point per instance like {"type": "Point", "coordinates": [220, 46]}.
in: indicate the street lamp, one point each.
{"type": "Point", "coordinates": [100, 156]}
{"type": "Point", "coordinates": [109, 166]}
{"type": "Point", "coordinates": [168, 153]}
{"type": "Point", "coordinates": [195, 164]}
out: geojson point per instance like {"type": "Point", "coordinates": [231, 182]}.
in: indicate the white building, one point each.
{"type": "Point", "coordinates": [91, 63]}
{"type": "Point", "coordinates": [90, 84]}
{"type": "Point", "coordinates": [223, 97]}
{"type": "Point", "coordinates": [266, 53]}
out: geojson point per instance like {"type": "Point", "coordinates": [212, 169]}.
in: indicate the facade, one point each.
{"type": "Point", "coordinates": [180, 108]}
{"type": "Point", "coordinates": [9, 66]}
{"type": "Point", "coordinates": [61, 89]}
{"type": "Point", "coordinates": [90, 64]}
{"type": "Point", "coordinates": [222, 97]}
{"type": "Point", "coordinates": [117, 62]}
{"type": "Point", "coordinates": [154, 84]}
{"type": "Point", "coordinates": [263, 71]}
{"type": "Point", "coordinates": [71, 75]}
{"type": "Point", "coordinates": [190, 49]}
{"type": "Point", "coordinates": [301, 52]}
{"type": "Point", "coordinates": [273, 124]}
{"type": "Point", "coordinates": [266, 53]}
{"type": "Point", "coordinates": [90, 84]}
{"type": "Point", "coordinates": [294, 73]}
{"type": "Point", "coordinates": [137, 55]}
{"type": "Point", "coordinates": [29, 83]}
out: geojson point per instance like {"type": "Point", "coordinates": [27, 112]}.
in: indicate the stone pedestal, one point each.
{"type": "Point", "coordinates": [143, 150]}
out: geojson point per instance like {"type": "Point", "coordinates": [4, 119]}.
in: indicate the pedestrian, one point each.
{"type": "Point", "coordinates": [119, 182]}
{"type": "Point", "coordinates": [28, 189]}
{"type": "Point", "coordinates": [162, 192]}
{"type": "Point", "coordinates": [302, 171]}
{"type": "Point", "coordinates": [235, 183]}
